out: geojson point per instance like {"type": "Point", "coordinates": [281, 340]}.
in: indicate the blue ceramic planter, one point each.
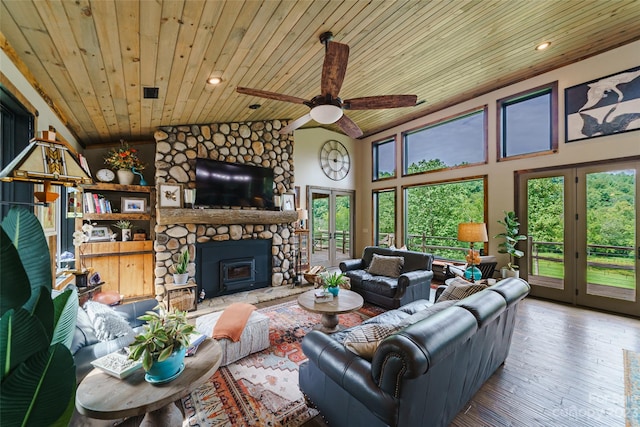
{"type": "Point", "coordinates": [475, 271]}
{"type": "Point", "coordinates": [163, 371]}
{"type": "Point", "coordinates": [334, 290]}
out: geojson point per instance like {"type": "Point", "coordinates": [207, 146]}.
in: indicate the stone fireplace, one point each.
{"type": "Point", "coordinates": [252, 143]}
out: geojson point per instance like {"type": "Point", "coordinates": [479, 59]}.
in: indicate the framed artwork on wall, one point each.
{"type": "Point", "coordinates": [604, 106]}
{"type": "Point", "coordinates": [170, 196]}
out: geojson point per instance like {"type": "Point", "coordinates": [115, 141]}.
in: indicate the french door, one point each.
{"type": "Point", "coordinates": [331, 225]}
{"type": "Point", "coordinates": [583, 228]}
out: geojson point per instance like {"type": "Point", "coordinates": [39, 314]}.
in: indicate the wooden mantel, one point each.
{"type": "Point", "coordinates": [169, 216]}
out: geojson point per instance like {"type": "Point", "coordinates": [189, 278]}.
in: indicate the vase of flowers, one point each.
{"type": "Point", "coordinates": [124, 160]}
{"type": "Point", "coordinates": [80, 237]}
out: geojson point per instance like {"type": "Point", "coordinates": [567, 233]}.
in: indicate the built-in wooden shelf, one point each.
{"type": "Point", "coordinates": [168, 216]}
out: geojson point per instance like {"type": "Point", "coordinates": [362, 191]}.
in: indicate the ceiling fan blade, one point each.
{"type": "Point", "coordinates": [296, 124]}
{"type": "Point", "coordinates": [349, 127]}
{"type": "Point", "coordinates": [334, 68]}
{"type": "Point", "coordinates": [380, 102]}
{"type": "Point", "coordinates": [270, 95]}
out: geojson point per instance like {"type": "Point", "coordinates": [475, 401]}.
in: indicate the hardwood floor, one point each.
{"type": "Point", "coordinates": [564, 369]}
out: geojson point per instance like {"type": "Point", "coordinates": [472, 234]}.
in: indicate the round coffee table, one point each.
{"type": "Point", "coordinates": [345, 302]}
{"type": "Point", "coordinates": [102, 396]}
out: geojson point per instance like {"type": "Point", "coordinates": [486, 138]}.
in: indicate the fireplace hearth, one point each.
{"type": "Point", "coordinates": [227, 267]}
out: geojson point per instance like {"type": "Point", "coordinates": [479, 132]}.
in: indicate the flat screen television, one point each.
{"type": "Point", "coordinates": [221, 184]}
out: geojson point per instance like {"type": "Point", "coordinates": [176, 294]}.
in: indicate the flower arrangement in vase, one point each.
{"type": "Point", "coordinates": [124, 160]}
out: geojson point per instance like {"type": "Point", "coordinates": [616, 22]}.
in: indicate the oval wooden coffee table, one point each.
{"type": "Point", "coordinates": [345, 302]}
{"type": "Point", "coordinates": [105, 397]}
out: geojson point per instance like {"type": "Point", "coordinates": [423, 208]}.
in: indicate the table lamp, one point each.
{"type": "Point", "coordinates": [472, 232]}
{"type": "Point", "coordinates": [303, 215]}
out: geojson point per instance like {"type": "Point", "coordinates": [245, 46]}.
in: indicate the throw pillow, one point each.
{"type": "Point", "coordinates": [423, 314]}
{"type": "Point", "coordinates": [364, 340]}
{"type": "Point", "coordinates": [459, 288]}
{"type": "Point", "coordinates": [107, 324]}
{"type": "Point", "coordinates": [389, 266]}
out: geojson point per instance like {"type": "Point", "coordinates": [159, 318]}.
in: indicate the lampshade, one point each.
{"type": "Point", "coordinates": [48, 162]}
{"type": "Point", "coordinates": [326, 114]}
{"type": "Point", "coordinates": [472, 232]}
{"type": "Point", "coordinates": [303, 214]}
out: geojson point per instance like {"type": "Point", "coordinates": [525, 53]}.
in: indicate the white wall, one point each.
{"type": "Point", "coordinates": [46, 115]}
{"type": "Point", "coordinates": [306, 154]}
{"type": "Point", "coordinates": [501, 174]}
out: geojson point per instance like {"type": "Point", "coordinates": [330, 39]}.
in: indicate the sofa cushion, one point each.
{"type": "Point", "coordinates": [381, 285]}
{"type": "Point", "coordinates": [389, 266]}
{"type": "Point", "coordinates": [426, 312]}
{"type": "Point", "coordinates": [459, 288]}
{"type": "Point", "coordinates": [107, 324]}
{"type": "Point", "coordinates": [363, 340]}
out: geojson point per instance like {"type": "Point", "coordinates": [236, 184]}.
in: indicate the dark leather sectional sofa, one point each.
{"type": "Point", "coordinates": [414, 282]}
{"type": "Point", "coordinates": [423, 375]}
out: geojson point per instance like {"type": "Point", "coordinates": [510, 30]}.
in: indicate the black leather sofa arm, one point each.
{"type": "Point", "coordinates": [416, 349]}
{"type": "Point", "coordinates": [348, 370]}
{"type": "Point", "coordinates": [417, 277]}
{"type": "Point", "coordinates": [352, 264]}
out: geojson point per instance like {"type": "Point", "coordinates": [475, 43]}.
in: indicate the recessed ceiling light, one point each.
{"type": "Point", "coordinates": [543, 46]}
{"type": "Point", "coordinates": [214, 80]}
{"type": "Point", "coordinates": [254, 106]}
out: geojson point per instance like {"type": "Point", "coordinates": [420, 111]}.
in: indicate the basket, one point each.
{"type": "Point", "coordinates": [311, 278]}
{"type": "Point", "coordinates": [183, 300]}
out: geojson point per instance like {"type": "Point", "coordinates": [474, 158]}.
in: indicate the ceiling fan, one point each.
{"type": "Point", "coordinates": [327, 107]}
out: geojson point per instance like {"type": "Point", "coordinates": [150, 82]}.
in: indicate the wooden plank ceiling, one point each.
{"type": "Point", "coordinates": [93, 58]}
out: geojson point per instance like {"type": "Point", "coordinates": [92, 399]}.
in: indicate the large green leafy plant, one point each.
{"type": "Point", "coordinates": [511, 238]}
{"type": "Point", "coordinates": [36, 331]}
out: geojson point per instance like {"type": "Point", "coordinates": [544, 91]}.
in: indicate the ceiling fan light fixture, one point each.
{"type": "Point", "coordinates": [326, 114]}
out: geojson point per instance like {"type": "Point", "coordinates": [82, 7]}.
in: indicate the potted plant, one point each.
{"type": "Point", "coordinates": [124, 160]}
{"type": "Point", "coordinates": [333, 281]}
{"type": "Point", "coordinates": [125, 228]}
{"type": "Point", "coordinates": [180, 268]}
{"type": "Point", "coordinates": [38, 374]}
{"type": "Point", "coordinates": [162, 344]}
{"type": "Point", "coordinates": [511, 238]}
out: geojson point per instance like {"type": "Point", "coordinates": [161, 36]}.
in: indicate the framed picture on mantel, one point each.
{"type": "Point", "coordinates": [170, 196]}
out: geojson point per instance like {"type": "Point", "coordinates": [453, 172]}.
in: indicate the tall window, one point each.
{"type": "Point", "coordinates": [384, 214]}
{"type": "Point", "coordinates": [433, 212]}
{"type": "Point", "coordinates": [528, 122]}
{"type": "Point", "coordinates": [384, 159]}
{"type": "Point", "coordinates": [454, 142]}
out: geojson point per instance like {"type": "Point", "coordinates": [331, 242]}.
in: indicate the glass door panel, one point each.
{"type": "Point", "coordinates": [545, 223]}
{"type": "Point", "coordinates": [609, 265]}
{"type": "Point", "coordinates": [331, 219]}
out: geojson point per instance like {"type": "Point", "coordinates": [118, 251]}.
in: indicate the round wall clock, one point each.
{"type": "Point", "coordinates": [105, 175]}
{"type": "Point", "coordinates": [334, 160]}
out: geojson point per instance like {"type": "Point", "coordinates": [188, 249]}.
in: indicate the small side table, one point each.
{"type": "Point", "coordinates": [182, 297]}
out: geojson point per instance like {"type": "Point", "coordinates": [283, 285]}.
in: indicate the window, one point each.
{"type": "Point", "coordinates": [384, 159]}
{"type": "Point", "coordinates": [384, 214]}
{"type": "Point", "coordinates": [454, 142]}
{"type": "Point", "coordinates": [528, 122]}
{"type": "Point", "coordinates": [433, 212]}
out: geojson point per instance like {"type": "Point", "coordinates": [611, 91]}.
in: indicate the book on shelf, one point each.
{"type": "Point", "coordinates": [117, 364]}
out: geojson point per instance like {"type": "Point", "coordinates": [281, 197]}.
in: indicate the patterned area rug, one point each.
{"type": "Point", "coordinates": [632, 388]}
{"type": "Point", "coordinates": [262, 389]}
